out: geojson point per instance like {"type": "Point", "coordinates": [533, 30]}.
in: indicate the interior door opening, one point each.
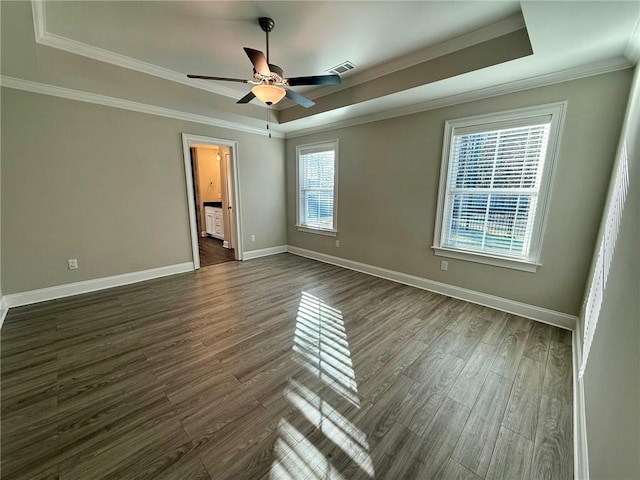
{"type": "Point", "coordinates": [210, 166]}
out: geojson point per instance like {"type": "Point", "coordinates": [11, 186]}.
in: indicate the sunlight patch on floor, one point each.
{"type": "Point", "coordinates": [321, 348]}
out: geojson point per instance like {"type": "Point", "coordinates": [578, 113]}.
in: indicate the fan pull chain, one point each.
{"type": "Point", "coordinates": [269, 119]}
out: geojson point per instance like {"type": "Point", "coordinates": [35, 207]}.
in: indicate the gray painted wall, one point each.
{"type": "Point", "coordinates": [388, 185]}
{"type": "Point", "coordinates": [107, 186]}
{"type": "Point", "coordinates": [612, 376]}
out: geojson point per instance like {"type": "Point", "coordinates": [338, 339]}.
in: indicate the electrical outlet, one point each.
{"type": "Point", "coordinates": [444, 265]}
{"type": "Point", "coordinates": [253, 238]}
{"type": "Point", "coordinates": [337, 243]}
{"type": "Point", "coordinates": [73, 263]}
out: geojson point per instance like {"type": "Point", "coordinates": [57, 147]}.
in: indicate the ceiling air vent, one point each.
{"type": "Point", "coordinates": [342, 68]}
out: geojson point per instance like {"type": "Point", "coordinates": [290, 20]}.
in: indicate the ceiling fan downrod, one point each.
{"type": "Point", "coordinates": [266, 24]}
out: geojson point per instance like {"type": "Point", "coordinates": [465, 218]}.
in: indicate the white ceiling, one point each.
{"type": "Point", "coordinates": [309, 37]}
{"type": "Point", "coordinates": [170, 39]}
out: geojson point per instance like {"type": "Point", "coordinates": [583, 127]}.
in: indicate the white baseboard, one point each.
{"type": "Point", "coordinates": [60, 291]}
{"type": "Point", "coordinates": [263, 252]}
{"type": "Point", "coordinates": [580, 450]}
{"type": "Point", "coordinates": [3, 310]}
{"type": "Point", "coordinates": [533, 312]}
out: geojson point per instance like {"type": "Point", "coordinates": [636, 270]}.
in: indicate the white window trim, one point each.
{"type": "Point", "coordinates": [329, 144]}
{"type": "Point", "coordinates": [557, 112]}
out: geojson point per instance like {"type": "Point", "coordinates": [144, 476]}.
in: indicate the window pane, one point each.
{"type": "Point", "coordinates": [509, 158]}
{"type": "Point", "coordinates": [491, 223]}
{"type": "Point", "coordinates": [319, 208]}
{"type": "Point", "coordinates": [317, 170]}
{"type": "Point", "coordinates": [467, 221]}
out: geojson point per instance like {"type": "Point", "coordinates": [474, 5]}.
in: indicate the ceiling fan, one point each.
{"type": "Point", "coordinates": [270, 84]}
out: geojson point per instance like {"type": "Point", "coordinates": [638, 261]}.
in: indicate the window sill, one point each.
{"type": "Point", "coordinates": [514, 264]}
{"type": "Point", "coordinates": [319, 231]}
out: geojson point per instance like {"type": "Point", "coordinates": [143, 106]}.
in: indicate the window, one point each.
{"type": "Point", "coordinates": [607, 242]}
{"type": "Point", "coordinates": [494, 183]}
{"type": "Point", "coordinates": [317, 169]}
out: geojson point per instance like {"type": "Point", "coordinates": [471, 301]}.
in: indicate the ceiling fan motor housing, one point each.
{"type": "Point", "coordinates": [266, 24]}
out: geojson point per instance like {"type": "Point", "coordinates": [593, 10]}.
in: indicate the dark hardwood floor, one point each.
{"type": "Point", "coordinates": [212, 252]}
{"type": "Point", "coordinates": [281, 368]}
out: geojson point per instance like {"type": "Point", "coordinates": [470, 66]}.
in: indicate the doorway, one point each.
{"type": "Point", "coordinates": [212, 194]}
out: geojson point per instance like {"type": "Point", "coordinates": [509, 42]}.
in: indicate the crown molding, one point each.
{"type": "Point", "coordinates": [632, 50]}
{"type": "Point", "coordinates": [575, 73]}
{"type": "Point", "coordinates": [508, 25]}
{"type": "Point", "coordinates": [3, 310]}
{"type": "Point", "coordinates": [597, 68]}
{"type": "Point", "coordinates": [43, 37]}
{"type": "Point", "coordinates": [55, 91]}
{"type": "Point", "coordinates": [39, 18]}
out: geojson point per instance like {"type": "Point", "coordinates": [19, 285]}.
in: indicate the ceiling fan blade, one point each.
{"type": "Point", "coordinates": [259, 61]}
{"type": "Point", "coordinates": [206, 77]}
{"type": "Point", "coordinates": [315, 80]}
{"type": "Point", "coordinates": [299, 99]}
{"type": "Point", "coordinates": [247, 98]}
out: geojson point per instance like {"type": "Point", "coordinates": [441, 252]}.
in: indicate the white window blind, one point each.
{"type": "Point", "coordinates": [606, 249]}
{"type": "Point", "coordinates": [316, 186]}
{"type": "Point", "coordinates": [492, 188]}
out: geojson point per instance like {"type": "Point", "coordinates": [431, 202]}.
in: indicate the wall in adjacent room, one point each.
{"type": "Point", "coordinates": [388, 186]}
{"type": "Point", "coordinates": [107, 186]}
{"type": "Point", "coordinates": [209, 185]}
{"type": "Point", "coordinates": [209, 169]}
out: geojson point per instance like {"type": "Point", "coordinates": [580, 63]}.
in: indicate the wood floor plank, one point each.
{"type": "Point", "coordinates": [280, 367]}
{"type": "Point", "coordinates": [469, 383]}
{"type": "Point", "coordinates": [475, 447]}
{"type": "Point", "coordinates": [500, 327]}
{"type": "Point", "coordinates": [212, 252]}
{"type": "Point", "coordinates": [390, 371]}
{"type": "Point", "coordinates": [553, 450]}
{"type": "Point", "coordinates": [470, 336]}
{"type": "Point", "coordinates": [193, 470]}
{"type": "Point", "coordinates": [521, 415]}
{"type": "Point", "coordinates": [509, 353]}
{"type": "Point", "coordinates": [386, 409]}
{"type": "Point", "coordinates": [511, 458]}
{"type": "Point", "coordinates": [111, 461]}
{"type": "Point", "coordinates": [421, 404]}
{"type": "Point", "coordinates": [531, 373]}
{"type": "Point", "coordinates": [218, 412]}
{"type": "Point", "coordinates": [50, 473]}
{"type": "Point", "coordinates": [537, 345]}
{"type": "Point", "coordinates": [242, 446]}
{"type": "Point", "coordinates": [392, 457]}
{"type": "Point", "coordinates": [440, 439]}
{"type": "Point", "coordinates": [454, 471]}
{"type": "Point", "coordinates": [424, 366]}
{"type": "Point", "coordinates": [558, 378]}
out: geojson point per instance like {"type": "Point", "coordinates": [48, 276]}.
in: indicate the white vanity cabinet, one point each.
{"type": "Point", "coordinates": [213, 222]}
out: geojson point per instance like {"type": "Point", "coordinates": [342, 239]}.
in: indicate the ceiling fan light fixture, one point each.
{"type": "Point", "coordinates": [269, 94]}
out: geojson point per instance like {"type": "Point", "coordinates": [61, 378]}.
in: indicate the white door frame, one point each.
{"type": "Point", "coordinates": [188, 141]}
